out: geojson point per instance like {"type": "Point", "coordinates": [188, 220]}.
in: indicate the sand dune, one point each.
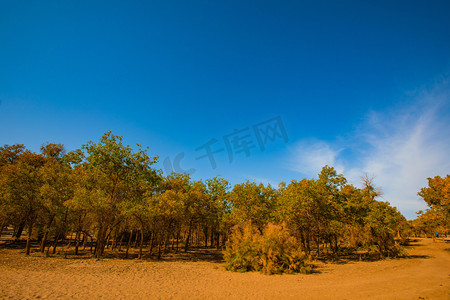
{"type": "Point", "coordinates": [425, 275]}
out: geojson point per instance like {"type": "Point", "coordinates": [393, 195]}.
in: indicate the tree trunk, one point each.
{"type": "Point", "coordinates": [336, 247]}
{"type": "Point", "coordinates": [318, 246]}
{"type": "Point", "coordinates": [167, 240]}
{"type": "Point", "coordinates": [141, 244]}
{"type": "Point", "coordinates": [211, 238]}
{"type": "Point", "coordinates": [18, 233]}
{"type": "Point", "coordinates": [44, 241]}
{"type": "Point", "coordinates": [1, 229]}
{"type": "Point", "coordinates": [173, 241]}
{"type": "Point", "coordinates": [129, 244]}
{"type": "Point", "coordinates": [159, 248]}
{"type": "Point", "coordinates": [135, 241]}
{"type": "Point", "coordinates": [186, 246]}
{"type": "Point", "coordinates": [116, 235]}
{"type": "Point", "coordinates": [205, 232]}
{"type": "Point", "coordinates": [151, 243]}
{"type": "Point", "coordinates": [77, 241]}
{"type": "Point", "coordinates": [102, 241]}
{"type": "Point", "coordinates": [30, 231]}
{"type": "Point", "coordinates": [107, 243]}
{"type": "Point", "coordinates": [307, 243]}
{"type": "Point", "coordinates": [55, 244]}
{"type": "Point", "coordinates": [121, 241]}
{"type": "Point", "coordinates": [302, 242]}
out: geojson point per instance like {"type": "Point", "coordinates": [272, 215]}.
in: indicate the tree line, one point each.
{"type": "Point", "coordinates": [109, 196]}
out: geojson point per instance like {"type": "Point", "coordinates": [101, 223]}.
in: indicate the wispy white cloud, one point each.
{"type": "Point", "coordinates": [263, 180]}
{"type": "Point", "coordinates": [309, 156]}
{"type": "Point", "coordinates": [400, 148]}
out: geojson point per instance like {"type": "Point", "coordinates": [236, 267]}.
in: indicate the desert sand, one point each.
{"type": "Point", "coordinates": [424, 275]}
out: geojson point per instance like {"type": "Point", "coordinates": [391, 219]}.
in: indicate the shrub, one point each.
{"type": "Point", "coordinates": [241, 252]}
{"type": "Point", "coordinates": [274, 251]}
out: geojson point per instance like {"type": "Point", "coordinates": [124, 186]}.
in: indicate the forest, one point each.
{"type": "Point", "coordinates": [107, 197]}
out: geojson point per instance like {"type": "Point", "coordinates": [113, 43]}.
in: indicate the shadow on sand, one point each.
{"type": "Point", "coordinates": [194, 253]}
{"type": "Point", "coordinates": [200, 254]}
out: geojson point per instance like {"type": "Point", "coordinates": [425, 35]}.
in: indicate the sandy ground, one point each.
{"type": "Point", "coordinates": [426, 275]}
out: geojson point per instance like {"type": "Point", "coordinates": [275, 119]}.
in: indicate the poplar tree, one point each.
{"type": "Point", "coordinates": [114, 173]}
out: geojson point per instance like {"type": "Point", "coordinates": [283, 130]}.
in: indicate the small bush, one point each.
{"type": "Point", "coordinates": [241, 253]}
{"type": "Point", "coordinates": [274, 251]}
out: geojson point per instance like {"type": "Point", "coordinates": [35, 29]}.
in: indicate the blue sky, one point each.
{"type": "Point", "coordinates": [360, 86]}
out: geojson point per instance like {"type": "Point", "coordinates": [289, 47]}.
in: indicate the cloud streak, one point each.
{"type": "Point", "coordinates": [400, 148]}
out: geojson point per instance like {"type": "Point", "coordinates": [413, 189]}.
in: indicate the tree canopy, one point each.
{"type": "Point", "coordinates": [109, 195]}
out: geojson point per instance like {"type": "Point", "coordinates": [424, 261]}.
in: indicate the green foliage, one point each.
{"type": "Point", "coordinates": [431, 221]}
{"type": "Point", "coordinates": [110, 191]}
{"type": "Point", "coordinates": [251, 201]}
{"type": "Point", "coordinates": [274, 251]}
{"type": "Point", "coordinates": [219, 206]}
{"type": "Point", "coordinates": [113, 183]}
{"type": "Point", "coordinates": [437, 194]}
{"type": "Point", "coordinates": [382, 223]}
{"type": "Point", "coordinates": [437, 197]}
